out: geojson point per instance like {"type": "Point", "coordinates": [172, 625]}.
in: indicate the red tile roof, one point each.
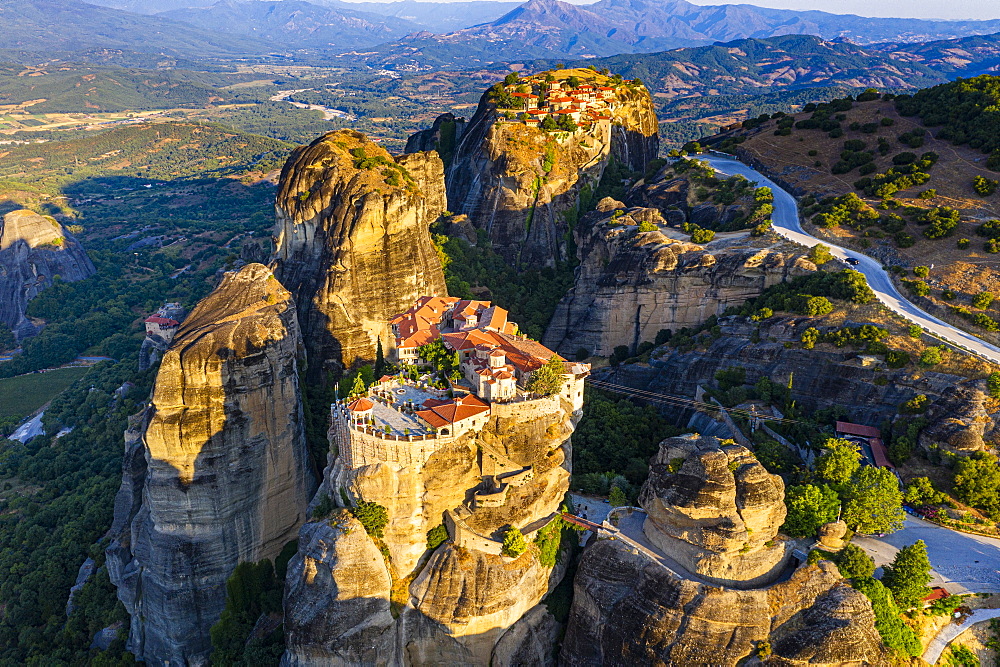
{"type": "Point", "coordinates": [452, 411]}
{"type": "Point", "coordinates": [858, 429]}
{"type": "Point", "coordinates": [361, 404]}
{"type": "Point", "coordinates": [937, 593]}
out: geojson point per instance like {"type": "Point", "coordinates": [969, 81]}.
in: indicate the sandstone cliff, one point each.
{"type": "Point", "coordinates": [216, 469]}
{"type": "Point", "coordinates": [353, 244]}
{"type": "Point", "coordinates": [34, 249]}
{"type": "Point", "coordinates": [463, 603]}
{"type": "Point", "coordinates": [442, 137]}
{"type": "Point", "coordinates": [523, 184]}
{"type": "Point", "coordinates": [631, 284]}
{"type": "Point", "coordinates": [627, 609]}
{"type": "Point", "coordinates": [715, 510]}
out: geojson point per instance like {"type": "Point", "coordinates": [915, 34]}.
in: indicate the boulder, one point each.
{"type": "Point", "coordinates": [715, 510]}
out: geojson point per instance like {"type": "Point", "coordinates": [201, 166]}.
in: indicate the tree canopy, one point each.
{"type": "Point", "coordinates": [809, 507]}
{"type": "Point", "coordinates": [873, 502]}
{"type": "Point", "coordinates": [908, 575]}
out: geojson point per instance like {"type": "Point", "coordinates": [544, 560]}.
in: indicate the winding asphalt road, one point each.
{"type": "Point", "coordinates": [785, 221]}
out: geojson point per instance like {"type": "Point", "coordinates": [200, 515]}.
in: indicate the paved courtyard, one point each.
{"type": "Point", "coordinates": [963, 563]}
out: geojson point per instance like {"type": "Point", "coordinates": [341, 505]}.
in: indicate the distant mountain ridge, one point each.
{"type": "Point", "coordinates": [297, 24]}
{"type": "Point", "coordinates": [749, 66]}
{"type": "Point", "coordinates": [555, 29]}
{"type": "Point", "coordinates": [70, 25]}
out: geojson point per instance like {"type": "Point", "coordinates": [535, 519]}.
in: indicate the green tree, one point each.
{"type": "Point", "coordinates": [617, 497]}
{"type": "Point", "coordinates": [819, 254]}
{"type": "Point", "coordinates": [921, 271]}
{"type": "Point", "coordinates": [548, 379]}
{"type": "Point", "coordinates": [809, 507]}
{"type": "Point", "coordinates": [961, 656]}
{"type": "Point", "coordinates": [977, 482]}
{"type": "Point", "coordinates": [921, 492]}
{"type": "Point", "coordinates": [358, 388]}
{"type": "Point", "coordinates": [7, 341]}
{"type": "Point", "coordinates": [513, 543]}
{"type": "Point", "coordinates": [511, 79]}
{"type": "Point", "coordinates": [873, 502]}
{"type": "Point", "coordinates": [549, 124]}
{"type": "Point", "coordinates": [373, 517]}
{"type": "Point", "coordinates": [380, 365]}
{"type": "Point", "coordinates": [915, 331]}
{"type": "Point", "coordinates": [436, 536]}
{"type": "Point", "coordinates": [908, 575]}
{"type": "Point", "coordinates": [837, 465]}
{"type": "Point", "coordinates": [853, 562]}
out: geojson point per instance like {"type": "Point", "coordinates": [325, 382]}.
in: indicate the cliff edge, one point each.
{"type": "Point", "coordinates": [216, 469]}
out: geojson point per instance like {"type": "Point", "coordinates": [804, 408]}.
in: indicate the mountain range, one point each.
{"type": "Point", "coordinates": [470, 34]}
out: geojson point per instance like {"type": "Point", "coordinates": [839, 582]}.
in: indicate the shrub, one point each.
{"type": "Point", "coordinates": [897, 636]}
{"type": "Point", "coordinates": [915, 331]}
{"type": "Point", "coordinates": [929, 193]}
{"type": "Point", "coordinates": [896, 359]}
{"type": "Point", "coordinates": [373, 517]}
{"type": "Point", "coordinates": [984, 187]}
{"type": "Point", "coordinates": [921, 271]}
{"type": "Point", "coordinates": [819, 254]}
{"type": "Point", "coordinates": [646, 226]}
{"type": "Point", "coordinates": [921, 492]}
{"type": "Point", "coordinates": [513, 543]}
{"type": "Point", "coordinates": [963, 244]}
{"type": "Point", "coordinates": [762, 314]}
{"type": "Point", "coordinates": [809, 338]}
{"type": "Point", "coordinates": [918, 287]}
{"type": "Point", "coordinates": [930, 357]}
{"type": "Point", "coordinates": [854, 563]}
{"type": "Point", "coordinates": [917, 404]}
{"type": "Point", "coordinates": [982, 300]}
{"type": "Point", "coordinates": [990, 229]}
{"type": "Point", "coordinates": [993, 384]}
{"type": "Point", "coordinates": [817, 306]}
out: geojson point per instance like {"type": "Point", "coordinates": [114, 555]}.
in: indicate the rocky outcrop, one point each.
{"type": "Point", "coordinates": [960, 420]}
{"type": "Point", "coordinates": [353, 244]}
{"type": "Point", "coordinates": [216, 469]}
{"type": "Point", "coordinates": [631, 284]}
{"type": "Point", "coordinates": [337, 607]}
{"type": "Point", "coordinates": [715, 510]}
{"type": "Point", "coordinates": [627, 609]}
{"type": "Point", "coordinates": [523, 185]}
{"type": "Point", "coordinates": [462, 603]}
{"type": "Point", "coordinates": [442, 137]}
{"type": "Point", "coordinates": [34, 250]}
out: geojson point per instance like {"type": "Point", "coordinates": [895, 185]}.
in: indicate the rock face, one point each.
{"type": "Point", "coordinates": [715, 510]}
{"type": "Point", "coordinates": [821, 378]}
{"type": "Point", "coordinates": [216, 469]}
{"type": "Point", "coordinates": [463, 602]}
{"type": "Point", "coordinates": [631, 284]}
{"type": "Point", "coordinates": [522, 184]}
{"type": "Point", "coordinates": [353, 244]}
{"type": "Point", "coordinates": [627, 609]}
{"type": "Point", "coordinates": [442, 137]}
{"type": "Point", "coordinates": [33, 250]}
{"type": "Point", "coordinates": [959, 420]}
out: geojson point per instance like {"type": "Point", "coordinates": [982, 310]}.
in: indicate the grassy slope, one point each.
{"type": "Point", "coordinates": [20, 396]}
